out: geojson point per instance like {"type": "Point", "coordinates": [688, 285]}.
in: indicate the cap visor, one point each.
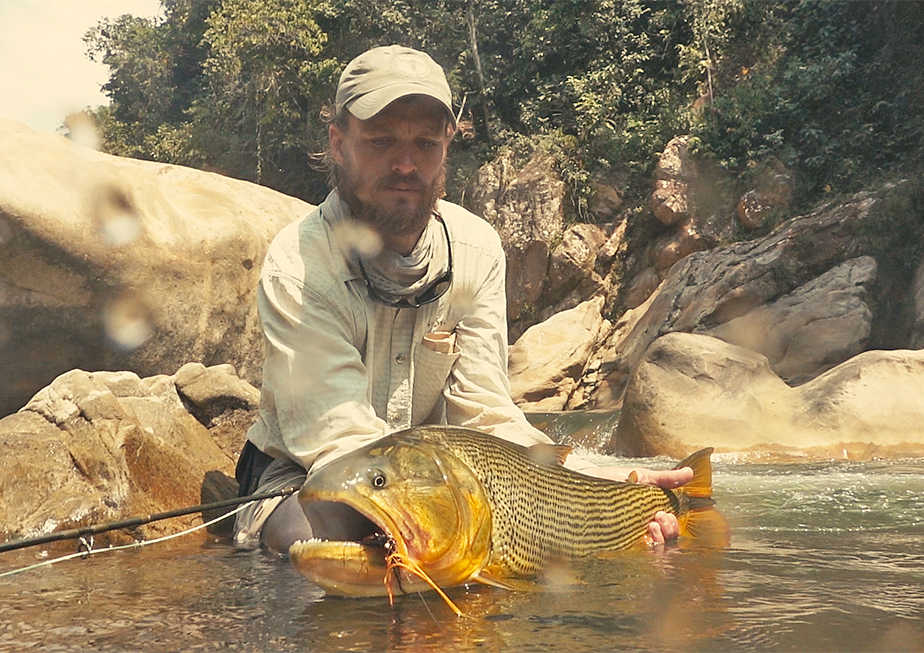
{"type": "Point", "coordinates": [368, 105]}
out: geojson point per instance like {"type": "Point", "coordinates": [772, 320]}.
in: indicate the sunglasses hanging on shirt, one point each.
{"type": "Point", "coordinates": [433, 292]}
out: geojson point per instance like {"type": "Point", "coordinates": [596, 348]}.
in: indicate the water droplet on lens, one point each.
{"type": "Point", "coordinates": [127, 323]}
{"type": "Point", "coordinates": [6, 231]}
{"type": "Point", "coordinates": [82, 130]}
{"type": "Point", "coordinates": [117, 219]}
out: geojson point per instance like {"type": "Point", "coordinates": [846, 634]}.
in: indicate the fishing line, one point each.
{"type": "Point", "coordinates": [87, 546]}
{"type": "Point", "coordinates": [138, 544]}
{"type": "Point", "coordinates": [438, 624]}
{"type": "Point", "coordinates": [94, 529]}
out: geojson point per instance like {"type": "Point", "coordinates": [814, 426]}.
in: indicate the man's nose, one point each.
{"type": "Point", "coordinates": [403, 160]}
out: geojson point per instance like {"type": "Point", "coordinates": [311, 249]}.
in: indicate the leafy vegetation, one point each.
{"type": "Point", "coordinates": [832, 90]}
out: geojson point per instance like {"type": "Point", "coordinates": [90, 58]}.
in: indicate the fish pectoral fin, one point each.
{"type": "Point", "coordinates": [706, 528]}
{"type": "Point", "coordinates": [513, 584]}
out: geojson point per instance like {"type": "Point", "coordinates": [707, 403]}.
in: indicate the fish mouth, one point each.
{"type": "Point", "coordinates": [336, 521]}
{"type": "Point", "coordinates": [349, 549]}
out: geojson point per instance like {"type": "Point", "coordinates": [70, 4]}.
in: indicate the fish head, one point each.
{"type": "Point", "coordinates": [398, 495]}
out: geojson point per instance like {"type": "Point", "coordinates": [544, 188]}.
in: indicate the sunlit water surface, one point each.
{"type": "Point", "coordinates": [824, 557]}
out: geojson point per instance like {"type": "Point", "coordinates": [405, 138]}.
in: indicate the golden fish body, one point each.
{"type": "Point", "coordinates": [465, 506]}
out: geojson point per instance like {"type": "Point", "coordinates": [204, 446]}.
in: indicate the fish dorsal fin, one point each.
{"type": "Point", "coordinates": [549, 454]}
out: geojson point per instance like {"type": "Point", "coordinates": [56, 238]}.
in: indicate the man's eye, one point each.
{"type": "Point", "coordinates": [428, 144]}
{"type": "Point", "coordinates": [380, 142]}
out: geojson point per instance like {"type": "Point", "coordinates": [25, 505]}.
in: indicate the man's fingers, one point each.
{"type": "Point", "coordinates": [664, 527]}
{"type": "Point", "coordinates": [655, 536]}
{"type": "Point", "coordinates": [666, 478]}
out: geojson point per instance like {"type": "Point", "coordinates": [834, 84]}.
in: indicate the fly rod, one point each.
{"type": "Point", "coordinates": [94, 529]}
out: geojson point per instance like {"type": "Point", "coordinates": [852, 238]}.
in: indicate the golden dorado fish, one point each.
{"type": "Point", "coordinates": [438, 506]}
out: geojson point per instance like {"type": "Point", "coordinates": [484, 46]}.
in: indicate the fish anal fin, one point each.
{"type": "Point", "coordinates": [707, 527]}
{"type": "Point", "coordinates": [485, 577]}
{"type": "Point", "coordinates": [550, 454]}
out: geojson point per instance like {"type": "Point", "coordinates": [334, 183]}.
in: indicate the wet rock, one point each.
{"type": "Point", "coordinates": [96, 447]}
{"type": "Point", "coordinates": [692, 391]}
{"type": "Point", "coordinates": [120, 264]}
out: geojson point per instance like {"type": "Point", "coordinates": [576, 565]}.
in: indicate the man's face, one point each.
{"type": "Point", "coordinates": [392, 166]}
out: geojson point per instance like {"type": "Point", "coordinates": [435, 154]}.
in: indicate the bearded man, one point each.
{"type": "Point", "coordinates": [385, 307]}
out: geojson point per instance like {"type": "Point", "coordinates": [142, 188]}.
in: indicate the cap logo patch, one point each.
{"type": "Point", "coordinates": [411, 65]}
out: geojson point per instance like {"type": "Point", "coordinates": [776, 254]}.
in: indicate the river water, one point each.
{"type": "Point", "coordinates": [824, 556]}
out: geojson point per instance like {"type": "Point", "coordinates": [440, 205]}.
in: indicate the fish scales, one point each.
{"type": "Point", "coordinates": [439, 506]}
{"type": "Point", "coordinates": [543, 512]}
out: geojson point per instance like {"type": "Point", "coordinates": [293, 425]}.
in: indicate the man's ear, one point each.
{"type": "Point", "coordinates": [335, 138]}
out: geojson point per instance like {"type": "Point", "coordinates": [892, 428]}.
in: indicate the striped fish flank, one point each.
{"type": "Point", "coordinates": [543, 511]}
{"type": "Point", "coordinates": [437, 506]}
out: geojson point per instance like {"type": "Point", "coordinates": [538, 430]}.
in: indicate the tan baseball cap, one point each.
{"type": "Point", "coordinates": [378, 77]}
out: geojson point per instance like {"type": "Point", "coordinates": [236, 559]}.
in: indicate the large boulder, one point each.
{"type": "Point", "coordinates": [108, 263]}
{"type": "Point", "coordinates": [546, 363]}
{"type": "Point", "coordinates": [693, 391]}
{"type": "Point", "coordinates": [818, 325]}
{"type": "Point", "coordinates": [96, 447]}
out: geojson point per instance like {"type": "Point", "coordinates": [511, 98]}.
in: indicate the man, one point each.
{"type": "Point", "coordinates": [385, 307]}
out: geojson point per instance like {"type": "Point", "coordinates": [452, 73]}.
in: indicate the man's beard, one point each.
{"type": "Point", "coordinates": [397, 220]}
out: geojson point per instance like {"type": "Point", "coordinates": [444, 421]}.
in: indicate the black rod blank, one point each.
{"type": "Point", "coordinates": [94, 529]}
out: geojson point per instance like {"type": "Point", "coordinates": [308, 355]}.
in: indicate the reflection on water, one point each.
{"type": "Point", "coordinates": [824, 557]}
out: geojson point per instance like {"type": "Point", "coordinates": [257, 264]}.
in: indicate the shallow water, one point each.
{"type": "Point", "coordinates": [824, 557]}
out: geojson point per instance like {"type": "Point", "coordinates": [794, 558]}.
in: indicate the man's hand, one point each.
{"type": "Point", "coordinates": [664, 527]}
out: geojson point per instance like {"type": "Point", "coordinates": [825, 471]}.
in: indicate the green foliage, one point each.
{"type": "Point", "coordinates": [264, 59]}
{"type": "Point", "coordinates": [831, 89]}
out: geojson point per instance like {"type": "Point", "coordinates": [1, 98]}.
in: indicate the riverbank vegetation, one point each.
{"type": "Point", "coordinates": [832, 91]}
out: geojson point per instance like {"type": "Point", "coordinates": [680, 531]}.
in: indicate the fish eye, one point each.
{"type": "Point", "coordinates": [377, 479]}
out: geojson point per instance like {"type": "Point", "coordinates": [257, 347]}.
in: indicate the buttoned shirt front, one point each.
{"type": "Point", "coordinates": [342, 370]}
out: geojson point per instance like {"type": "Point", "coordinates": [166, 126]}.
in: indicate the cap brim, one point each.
{"type": "Point", "coordinates": [368, 105]}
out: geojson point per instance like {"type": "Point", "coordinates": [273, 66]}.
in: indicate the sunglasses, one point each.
{"type": "Point", "coordinates": [433, 292]}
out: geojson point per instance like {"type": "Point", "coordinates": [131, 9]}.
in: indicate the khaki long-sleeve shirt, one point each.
{"type": "Point", "coordinates": [342, 370]}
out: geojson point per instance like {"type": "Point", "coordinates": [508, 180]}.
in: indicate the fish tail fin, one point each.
{"type": "Point", "coordinates": [700, 463]}
{"type": "Point", "coordinates": [702, 522]}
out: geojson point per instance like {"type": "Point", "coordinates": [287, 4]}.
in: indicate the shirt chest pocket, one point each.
{"type": "Point", "coordinates": [433, 361]}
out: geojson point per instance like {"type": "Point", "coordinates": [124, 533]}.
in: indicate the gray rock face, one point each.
{"type": "Point", "coordinates": [693, 391]}
{"type": "Point", "coordinates": [104, 446]}
{"type": "Point", "coordinates": [818, 325]}
{"type": "Point", "coordinates": [709, 291]}
{"type": "Point", "coordinates": [109, 263]}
